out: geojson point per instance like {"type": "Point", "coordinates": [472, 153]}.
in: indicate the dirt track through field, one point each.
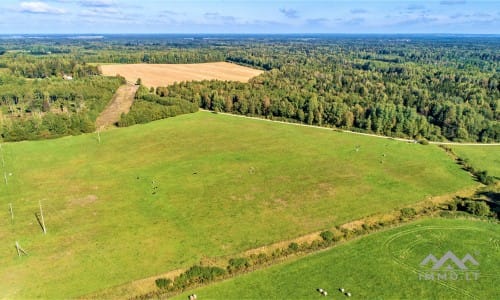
{"type": "Point", "coordinates": [121, 102]}
{"type": "Point", "coordinates": [166, 74]}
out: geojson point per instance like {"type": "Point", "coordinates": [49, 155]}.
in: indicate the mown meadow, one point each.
{"type": "Point", "coordinates": [156, 197]}
{"type": "Point", "coordinates": [383, 265]}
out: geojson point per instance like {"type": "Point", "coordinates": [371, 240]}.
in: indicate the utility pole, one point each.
{"type": "Point", "coordinates": [11, 212]}
{"type": "Point", "coordinates": [41, 216]}
{"type": "Point", "coordinates": [20, 250]}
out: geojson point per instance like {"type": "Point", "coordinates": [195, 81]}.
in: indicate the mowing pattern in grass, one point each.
{"type": "Point", "coordinates": [384, 265]}
{"type": "Point", "coordinates": [481, 158]}
{"type": "Point", "coordinates": [160, 196]}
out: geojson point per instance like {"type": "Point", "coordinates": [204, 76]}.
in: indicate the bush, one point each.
{"type": "Point", "coordinates": [477, 208]}
{"type": "Point", "coordinates": [483, 177]}
{"type": "Point", "coordinates": [236, 264]}
{"type": "Point", "coordinates": [327, 236]}
{"type": "Point", "coordinates": [163, 283]}
{"type": "Point", "coordinates": [408, 212]}
{"type": "Point", "coordinates": [294, 247]}
{"type": "Point", "coordinates": [198, 274]}
{"type": "Point", "coordinates": [453, 205]}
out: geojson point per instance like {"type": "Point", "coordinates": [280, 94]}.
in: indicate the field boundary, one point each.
{"type": "Point", "coordinates": [140, 287]}
{"type": "Point", "coordinates": [354, 132]}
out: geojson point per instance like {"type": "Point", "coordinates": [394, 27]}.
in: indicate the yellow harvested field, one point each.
{"type": "Point", "coordinates": [166, 74]}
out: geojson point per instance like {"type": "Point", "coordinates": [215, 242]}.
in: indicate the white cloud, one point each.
{"type": "Point", "coordinates": [452, 2]}
{"type": "Point", "coordinates": [40, 8]}
{"type": "Point", "coordinates": [358, 11]}
{"type": "Point", "coordinates": [290, 13]}
{"type": "Point", "coordinates": [96, 3]}
{"type": "Point", "coordinates": [99, 12]}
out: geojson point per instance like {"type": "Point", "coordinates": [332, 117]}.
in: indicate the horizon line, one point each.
{"type": "Point", "coordinates": [249, 33]}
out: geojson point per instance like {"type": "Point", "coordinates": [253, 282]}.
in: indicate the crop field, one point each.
{"type": "Point", "coordinates": [156, 197]}
{"type": "Point", "coordinates": [482, 158]}
{"type": "Point", "coordinates": [384, 265]}
{"type": "Point", "coordinates": [166, 74]}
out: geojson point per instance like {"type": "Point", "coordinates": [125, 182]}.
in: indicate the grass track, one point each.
{"type": "Point", "coordinates": [224, 185]}
{"type": "Point", "coordinates": [384, 265]}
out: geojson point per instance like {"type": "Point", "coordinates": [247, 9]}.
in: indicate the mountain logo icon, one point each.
{"type": "Point", "coordinates": [449, 259]}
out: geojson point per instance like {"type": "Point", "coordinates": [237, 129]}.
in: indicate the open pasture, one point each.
{"type": "Point", "coordinates": [164, 195]}
{"type": "Point", "coordinates": [481, 157]}
{"type": "Point", "coordinates": [165, 74]}
{"type": "Point", "coordinates": [384, 265]}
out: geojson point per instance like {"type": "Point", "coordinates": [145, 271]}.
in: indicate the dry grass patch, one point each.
{"type": "Point", "coordinates": [166, 74]}
{"type": "Point", "coordinates": [121, 103]}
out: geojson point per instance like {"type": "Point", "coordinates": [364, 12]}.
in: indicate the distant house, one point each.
{"type": "Point", "coordinates": [67, 77]}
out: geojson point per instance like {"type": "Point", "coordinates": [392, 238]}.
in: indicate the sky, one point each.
{"type": "Point", "coordinates": [244, 16]}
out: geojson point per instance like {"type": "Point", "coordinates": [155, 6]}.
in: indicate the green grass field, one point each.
{"type": "Point", "coordinates": [161, 196]}
{"type": "Point", "coordinates": [482, 158]}
{"type": "Point", "coordinates": [384, 265]}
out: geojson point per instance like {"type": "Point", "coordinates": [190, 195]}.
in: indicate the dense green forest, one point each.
{"type": "Point", "coordinates": [149, 107]}
{"type": "Point", "coordinates": [52, 107]}
{"type": "Point", "coordinates": [432, 87]}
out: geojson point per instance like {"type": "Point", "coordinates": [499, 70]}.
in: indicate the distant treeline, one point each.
{"type": "Point", "coordinates": [428, 87]}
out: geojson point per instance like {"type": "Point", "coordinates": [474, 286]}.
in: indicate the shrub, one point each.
{"type": "Point", "coordinates": [198, 274]}
{"type": "Point", "coordinates": [483, 177]}
{"type": "Point", "coordinates": [453, 205]}
{"type": "Point", "coordinates": [408, 212]}
{"type": "Point", "coordinates": [163, 283]}
{"type": "Point", "coordinates": [327, 236]}
{"type": "Point", "coordinates": [477, 208]}
{"type": "Point", "coordinates": [293, 247]}
{"type": "Point", "coordinates": [236, 264]}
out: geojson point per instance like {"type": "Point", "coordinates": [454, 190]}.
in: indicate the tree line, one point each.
{"type": "Point", "coordinates": [52, 107]}
{"type": "Point", "coordinates": [429, 87]}
{"type": "Point", "coordinates": [149, 107]}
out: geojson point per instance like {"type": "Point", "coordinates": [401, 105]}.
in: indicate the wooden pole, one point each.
{"type": "Point", "coordinates": [41, 215]}
{"type": "Point", "coordinates": [99, 135]}
{"type": "Point", "coordinates": [17, 248]}
{"type": "Point", "coordinates": [20, 250]}
{"type": "Point", "coordinates": [11, 212]}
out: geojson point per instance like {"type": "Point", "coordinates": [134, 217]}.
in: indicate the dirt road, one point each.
{"type": "Point", "coordinates": [358, 133]}
{"type": "Point", "coordinates": [121, 102]}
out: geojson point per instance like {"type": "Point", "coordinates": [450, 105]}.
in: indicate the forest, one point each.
{"type": "Point", "coordinates": [417, 86]}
